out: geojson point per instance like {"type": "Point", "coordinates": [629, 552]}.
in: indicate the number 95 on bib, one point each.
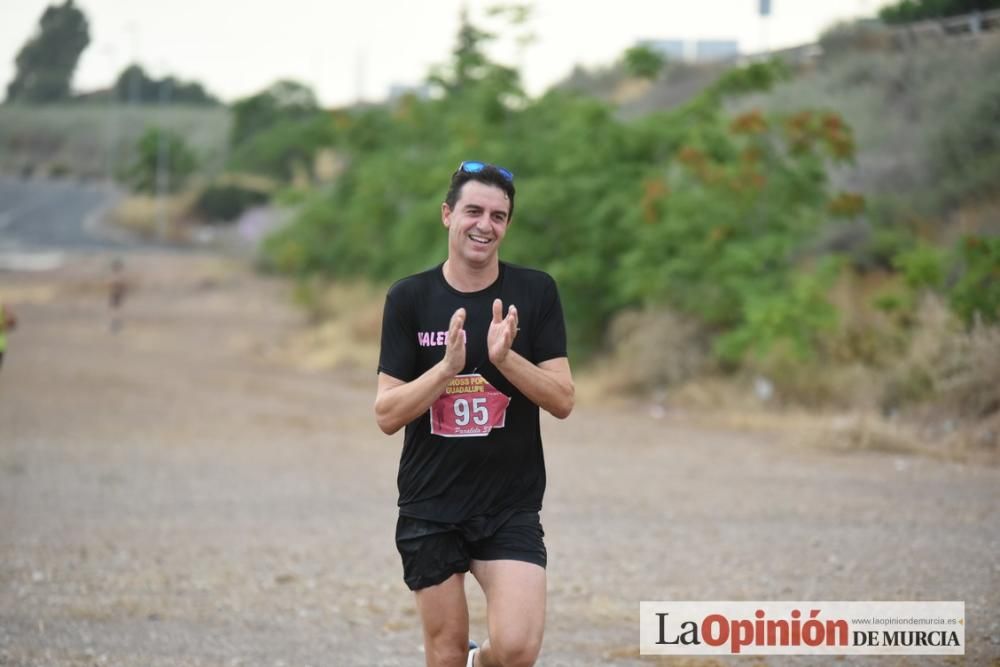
{"type": "Point", "coordinates": [469, 407]}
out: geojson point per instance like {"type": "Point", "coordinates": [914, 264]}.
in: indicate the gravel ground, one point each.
{"type": "Point", "coordinates": [174, 494]}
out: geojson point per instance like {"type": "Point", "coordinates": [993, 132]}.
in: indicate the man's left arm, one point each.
{"type": "Point", "coordinates": [549, 385]}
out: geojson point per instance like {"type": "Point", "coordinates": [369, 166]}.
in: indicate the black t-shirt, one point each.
{"type": "Point", "coordinates": [451, 479]}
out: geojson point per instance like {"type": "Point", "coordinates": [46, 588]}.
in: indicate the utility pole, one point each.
{"type": "Point", "coordinates": [110, 119]}
{"type": "Point", "coordinates": [163, 161]}
{"type": "Point", "coordinates": [133, 80]}
{"type": "Point", "coordinates": [764, 9]}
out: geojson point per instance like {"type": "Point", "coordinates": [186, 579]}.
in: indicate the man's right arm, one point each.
{"type": "Point", "coordinates": [397, 403]}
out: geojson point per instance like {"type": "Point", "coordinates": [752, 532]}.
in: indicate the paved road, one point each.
{"type": "Point", "coordinates": [40, 219]}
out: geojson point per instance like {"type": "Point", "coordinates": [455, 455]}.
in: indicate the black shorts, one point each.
{"type": "Point", "coordinates": [433, 551]}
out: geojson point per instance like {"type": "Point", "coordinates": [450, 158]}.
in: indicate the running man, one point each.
{"type": "Point", "coordinates": [471, 349]}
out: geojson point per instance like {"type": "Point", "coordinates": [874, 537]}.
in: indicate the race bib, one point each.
{"type": "Point", "coordinates": [469, 407]}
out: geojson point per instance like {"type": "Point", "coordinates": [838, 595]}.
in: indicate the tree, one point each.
{"type": "Point", "coordinates": [643, 62]}
{"type": "Point", "coordinates": [470, 70]}
{"type": "Point", "coordinates": [282, 101]}
{"type": "Point", "coordinates": [160, 149]}
{"type": "Point", "coordinates": [45, 64]}
{"type": "Point", "coordinates": [485, 89]}
{"type": "Point", "coordinates": [468, 59]}
{"type": "Point", "coordinates": [136, 86]}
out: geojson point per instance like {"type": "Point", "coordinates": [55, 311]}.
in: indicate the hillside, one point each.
{"type": "Point", "coordinates": [921, 104]}
{"type": "Point", "coordinates": [925, 119]}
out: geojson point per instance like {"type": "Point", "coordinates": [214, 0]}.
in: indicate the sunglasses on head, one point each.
{"type": "Point", "coordinates": [474, 167]}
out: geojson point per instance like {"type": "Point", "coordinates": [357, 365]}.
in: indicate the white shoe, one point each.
{"type": "Point", "coordinates": [473, 650]}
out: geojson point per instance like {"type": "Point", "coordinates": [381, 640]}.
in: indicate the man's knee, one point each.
{"type": "Point", "coordinates": [516, 649]}
{"type": "Point", "coordinates": [446, 640]}
{"type": "Point", "coordinates": [445, 619]}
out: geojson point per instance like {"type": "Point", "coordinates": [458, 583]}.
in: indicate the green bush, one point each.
{"type": "Point", "coordinates": [907, 11]}
{"type": "Point", "coordinates": [922, 267]}
{"type": "Point", "coordinates": [278, 149]}
{"type": "Point", "coordinates": [976, 295]}
{"type": "Point", "coordinates": [225, 202]}
{"type": "Point", "coordinates": [59, 170]}
{"type": "Point", "coordinates": [788, 323]}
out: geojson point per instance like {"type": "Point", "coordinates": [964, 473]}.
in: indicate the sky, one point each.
{"type": "Point", "coordinates": [354, 50]}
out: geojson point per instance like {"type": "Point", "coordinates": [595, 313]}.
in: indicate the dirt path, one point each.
{"type": "Point", "coordinates": [172, 495]}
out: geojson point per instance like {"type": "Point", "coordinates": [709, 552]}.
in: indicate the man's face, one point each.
{"type": "Point", "coordinates": [477, 224]}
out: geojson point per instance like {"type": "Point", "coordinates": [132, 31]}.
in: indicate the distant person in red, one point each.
{"type": "Point", "coordinates": [467, 379]}
{"type": "Point", "coordinates": [117, 289]}
{"type": "Point", "coordinates": [7, 323]}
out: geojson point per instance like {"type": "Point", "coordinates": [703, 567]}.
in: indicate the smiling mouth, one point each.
{"type": "Point", "coordinates": [482, 240]}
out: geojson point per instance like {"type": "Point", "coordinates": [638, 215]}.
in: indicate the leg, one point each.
{"type": "Point", "coordinates": [445, 617]}
{"type": "Point", "coordinates": [515, 612]}
{"type": "Point", "coordinates": [435, 560]}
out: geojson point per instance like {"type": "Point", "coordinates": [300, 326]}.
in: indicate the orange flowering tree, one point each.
{"type": "Point", "coordinates": [728, 221]}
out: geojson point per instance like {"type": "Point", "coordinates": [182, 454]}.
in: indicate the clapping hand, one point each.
{"type": "Point", "coordinates": [454, 354]}
{"type": "Point", "coordinates": [502, 332]}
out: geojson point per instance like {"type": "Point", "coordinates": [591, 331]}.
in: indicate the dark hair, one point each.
{"type": "Point", "coordinates": [488, 176]}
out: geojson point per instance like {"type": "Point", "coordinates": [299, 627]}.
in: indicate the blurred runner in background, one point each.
{"type": "Point", "coordinates": [7, 323]}
{"type": "Point", "coordinates": [117, 288]}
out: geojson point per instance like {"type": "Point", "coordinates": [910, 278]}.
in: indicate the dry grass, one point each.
{"type": "Point", "coordinates": [865, 333]}
{"type": "Point", "coordinates": [346, 323]}
{"type": "Point", "coordinates": [936, 394]}
{"type": "Point", "coordinates": [820, 385]}
{"type": "Point", "coordinates": [980, 217]}
{"type": "Point", "coordinates": [940, 397]}
{"type": "Point", "coordinates": [652, 350]}
{"type": "Point", "coordinates": [15, 295]}
{"type": "Point", "coordinates": [248, 181]}
{"type": "Point", "coordinates": [141, 214]}
{"type": "Point", "coordinates": [972, 443]}
{"type": "Point", "coordinates": [967, 374]}
{"type": "Point", "coordinates": [947, 370]}
{"type": "Point", "coordinates": [871, 432]}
